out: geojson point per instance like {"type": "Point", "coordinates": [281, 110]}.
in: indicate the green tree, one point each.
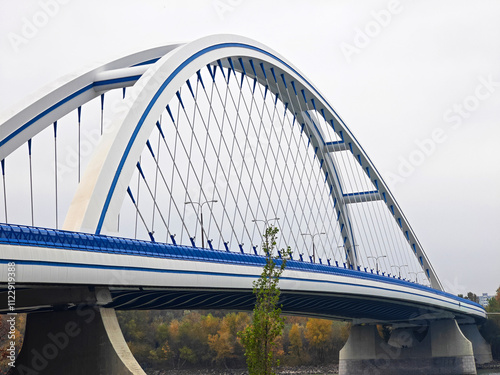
{"type": "Point", "coordinates": [491, 328]}
{"type": "Point", "coordinates": [472, 297]}
{"type": "Point", "coordinates": [494, 303]}
{"type": "Point", "coordinates": [260, 339]}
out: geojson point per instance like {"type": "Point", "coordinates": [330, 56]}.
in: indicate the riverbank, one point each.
{"type": "Point", "coordinates": [495, 365]}
{"type": "Point", "coordinates": [300, 370]}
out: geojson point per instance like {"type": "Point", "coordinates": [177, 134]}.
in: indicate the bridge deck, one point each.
{"type": "Point", "coordinates": [333, 290]}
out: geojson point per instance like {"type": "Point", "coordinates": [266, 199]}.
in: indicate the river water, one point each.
{"type": "Point", "coordinates": [479, 372]}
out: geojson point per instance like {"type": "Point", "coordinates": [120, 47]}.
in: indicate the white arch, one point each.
{"type": "Point", "coordinates": [68, 93]}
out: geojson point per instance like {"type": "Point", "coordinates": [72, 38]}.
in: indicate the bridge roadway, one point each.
{"type": "Point", "coordinates": [52, 264]}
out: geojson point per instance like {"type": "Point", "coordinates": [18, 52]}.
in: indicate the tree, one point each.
{"type": "Point", "coordinates": [260, 339]}
{"type": "Point", "coordinates": [221, 344]}
{"type": "Point", "coordinates": [318, 332]}
{"type": "Point", "coordinates": [295, 349]}
{"type": "Point", "coordinates": [472, 297]}
{"type": "Point", "coordinates": [491, 328]}
{"type": "Point", "coordinates": [340, 334]}
{"type": "Point", "coordinates": [493, 305]}
{"type": "Point", "coordinates": [10, 334]}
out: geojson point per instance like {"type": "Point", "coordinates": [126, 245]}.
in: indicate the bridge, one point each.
{"type": "Point", "coordinates": [147, 182]}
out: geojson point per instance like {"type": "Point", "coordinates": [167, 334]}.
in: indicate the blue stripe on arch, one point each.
{"type": "Point", "coordinates": [44, 113]}
{"type": "Point", "coordinates": [116, 80]}
{"type": "Point", "coordinates": [64, 101]}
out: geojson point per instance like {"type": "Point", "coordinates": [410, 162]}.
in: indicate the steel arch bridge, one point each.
{"type": "Point", "coordinates": [154, 176]}
{"type": "Point", "coordinates": [217, 129]}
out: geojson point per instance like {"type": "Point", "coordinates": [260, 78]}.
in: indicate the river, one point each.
{"type": "Point", "coordinates": [327, 370]}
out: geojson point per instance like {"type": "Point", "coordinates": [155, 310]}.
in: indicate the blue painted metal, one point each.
{"type": "Point", "coordinates": [152, 61]}
{"type": "Point", "coordinates": [19, 235]}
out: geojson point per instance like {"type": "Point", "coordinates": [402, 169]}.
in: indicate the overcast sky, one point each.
{"type": "Point", "coordinates": [417, 82]}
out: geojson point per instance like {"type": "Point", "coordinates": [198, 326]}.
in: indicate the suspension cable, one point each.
{"type": "Point", "coordinates": [55, 174]}
{"type": "Point", "coordinates": [4, 190]}
{"type": "Point", "coordinates": [79, 111]}
{"type": "Point", "coordinates": [137, 213]}
{"type": "Point", "coordinates": [31, 183]}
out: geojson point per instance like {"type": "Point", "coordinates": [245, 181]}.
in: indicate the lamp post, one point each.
{"type": "Point", "coordinates": [399, 268]}
{"type": "Point", "coordinates": [312, 237]}
{"type": "Point", "coordinates": [416, 275]}
{"type": "Point", "coordinates": [376, 260]}
{"type": "Point", "coordinates": [200, 205]}
{"type": "Point", "coordinates": [265, 221]}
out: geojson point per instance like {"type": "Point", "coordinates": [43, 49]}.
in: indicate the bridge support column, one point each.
{"type": "Point", "coordinates": [403, 338]}
{"type": "Point", "coordinates": [444, 350]}
{"type": "Point", "coordinates": [87, 340]}
{"type": "Point", "coordinates": [482, 350]}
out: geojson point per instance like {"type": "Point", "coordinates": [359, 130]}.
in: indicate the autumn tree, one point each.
{"type": "Point", "coordinates": [210, 324]}
{"type": "Point", "coordinates": [172, 345]}
{"type": "Point", "coordinates": [318, 334]}
{"type": "Point", "coordinates": [162, 353]}
{"type": "Point", "coordinates": [260, 338]}
{"type": "Point", "coordinates": [221, 345]}
{"type": "Point", "coordinates": [296, 346]}
{"type": "Point", "coordinates": [7, 335]}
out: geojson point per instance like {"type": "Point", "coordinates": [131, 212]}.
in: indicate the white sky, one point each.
{"type": "Point", "coordinates": [398, 87]}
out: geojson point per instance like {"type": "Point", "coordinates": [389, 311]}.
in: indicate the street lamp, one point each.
{"type": "Point", "coordinates": [265, 221]}
{"type": "Point", "coordinates": [312, 237]}
{"type": "Point", "coordinates": [376, 260]}
{"type": "Point", "coordinates": [399, 268]}
{"type": "Point", "coordinates": [201, 217]}
{"type": "Point", "coordinates": [416, 275]}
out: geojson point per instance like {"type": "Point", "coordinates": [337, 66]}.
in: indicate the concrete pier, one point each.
{"type": "Point", "coordinates": [444, 350]}
{"type": "Point", "coordinates": [87, 340]}
{"type": "Point", "coordinates": [482, 350]}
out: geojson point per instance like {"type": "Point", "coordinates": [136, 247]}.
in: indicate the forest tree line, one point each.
{"type": "Point", "coordinates": [491, 328]}
{"type": "Point", "coordinates": [206, 339]}
{"type": "Point", "coordinates": [190, 339]}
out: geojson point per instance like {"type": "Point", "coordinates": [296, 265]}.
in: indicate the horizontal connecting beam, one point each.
{"type": "Point", "coordinates": [335, 146]}
{"type": "Point", "coordinates": [361, 197]}
{"type": "Point", "coordinates": [117, 78]}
